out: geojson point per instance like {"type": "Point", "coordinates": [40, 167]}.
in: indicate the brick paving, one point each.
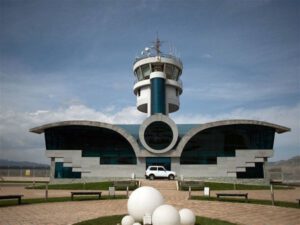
{"type": "Point", "coordinates": [66, 213]}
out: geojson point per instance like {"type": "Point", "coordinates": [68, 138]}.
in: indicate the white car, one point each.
{"type": "Point", "coordinates": [159, 171]}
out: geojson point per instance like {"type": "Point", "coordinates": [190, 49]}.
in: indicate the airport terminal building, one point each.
{"type": "Point", "coordinates": [220, 149]}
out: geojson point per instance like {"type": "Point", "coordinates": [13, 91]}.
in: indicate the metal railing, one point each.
{"type": "Point", "coordinates": [24, 172]}
{"type": "Point", "coordinates": [155, 55]}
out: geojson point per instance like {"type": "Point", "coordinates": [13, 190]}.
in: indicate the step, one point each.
{"type": "Point", "coordinates": [160, 184]}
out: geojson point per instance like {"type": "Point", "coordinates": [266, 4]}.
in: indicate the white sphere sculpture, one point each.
{"type": "Point", "coordinates": [187, 217]}
{"type": "Point", "coordinates": [127, 220]}
{"type": "Point", "coordinates": [165, 215]}
{"type": "Point", "coordinates": [144, 200]}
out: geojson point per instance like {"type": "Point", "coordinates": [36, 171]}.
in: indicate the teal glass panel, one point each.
{"type": "Point", "coordinates": [252, 172]}
{"type": "Point", "coordinates": [65, 172]}
{"type": "Point", "coordinates": [132, 129]}
{"type": "Point", "coordinates": [110, 146]}
{"type": "Point", "coordinates": [58, 170]}
{"type": "Point", "coordinates": [158, 96]}
{"type": "Point", "coordinates": [207, 145]}
{"type": "Point", "coordinates": [159, 161]}
{"type": "Point", "coordinates": [90, 153]}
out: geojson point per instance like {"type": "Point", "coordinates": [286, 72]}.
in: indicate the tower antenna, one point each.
{"type": "Point", "coordinates": [157, 45]}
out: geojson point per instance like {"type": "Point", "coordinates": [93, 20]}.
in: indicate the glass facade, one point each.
{"type": "Point", "coordinates": [110, 146]}
{"type": "Point", "coordinates": [65, 172]}
{"type": "Point", "coordinates": [172, 71]}
{"type": "Point", "coordinates": [158, 135]}
{"type": "Point", "coordinates": [159, 161]}
{"type": "Point", "coordinates": [207, 145]}
{"type": "Point", "coordinates": [143, 72]}
{"type": "Point", "coordinates": [252, 172]}
{"type": "Point", "coordinates": [146, 70]}
{"type": "Point", "coordinates": [203, 148]}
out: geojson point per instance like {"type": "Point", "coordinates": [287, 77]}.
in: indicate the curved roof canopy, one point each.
{"type": "Point", "coordinates": [115, 128]}
{"type": "Point", "coordinates": [185, 139]}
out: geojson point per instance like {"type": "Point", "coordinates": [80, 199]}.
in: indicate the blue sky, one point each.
{"type": "Point", "coordinates": [64, 60]}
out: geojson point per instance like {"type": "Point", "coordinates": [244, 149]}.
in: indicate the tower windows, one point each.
{"type": "Point", "coordinates": [143, 72]}
{"type": "Point", "coordinates": [146, 70]}
{"type": "Point", "coordinates": [139, 74]}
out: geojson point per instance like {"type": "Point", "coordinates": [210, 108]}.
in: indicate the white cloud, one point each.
{"type": "Point", "coordinates": [286, 144]}
{"type": "Point", "coordinates": [81, 112]}
{"type": "Point", "coordinates": [16, 142]}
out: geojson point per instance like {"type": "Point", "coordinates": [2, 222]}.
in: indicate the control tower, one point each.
{"type": "Point", "coordinates": [157, 88]}
{"type": "Point", "coordinates": [227, 149]}
{"type": "Point", "coordinates": [158, 83]}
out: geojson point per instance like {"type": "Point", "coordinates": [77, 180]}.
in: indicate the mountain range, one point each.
{"type": "Point", "coordinates": [10, 163]}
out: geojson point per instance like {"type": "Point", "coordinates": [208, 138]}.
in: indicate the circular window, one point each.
{"type": "Point", "coordinates": [158, 135]}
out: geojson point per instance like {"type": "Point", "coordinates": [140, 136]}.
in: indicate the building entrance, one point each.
{"type": "Point", "coordinates": [159, 161]}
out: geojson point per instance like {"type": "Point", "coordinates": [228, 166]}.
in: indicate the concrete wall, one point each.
{"type": "Point", "coordinates": [91, 168]}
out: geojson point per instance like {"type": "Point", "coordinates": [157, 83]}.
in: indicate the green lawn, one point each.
{"type": "Point", "coordinates": [13, 202]}
{"type": "Point", "coordinates": [20, 181]}
{"type": "Point", "coordinates": [81, 186]}
{"type": "Point", "coordinates": [250, 201]}
{"type": "Point", "coordinates": [113, 220]}
{"type": "Point", "coordinates": [230, 186]}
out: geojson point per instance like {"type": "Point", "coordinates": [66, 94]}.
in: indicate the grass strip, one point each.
{"type": "Point", "coordinates": [113, 220]}
{"type": "Point", "coordinates": [82, 186]}
{"type": "Point", "coordinates": [215, 186]}
{"type": "Point", "coordinates": [106, 184]}
{"type": "Point", "coordinates": [13, 202]}
{"type": "Point", "coordinates": [19, 182]}
{"type": "Point", "coordinates": [250, 201]}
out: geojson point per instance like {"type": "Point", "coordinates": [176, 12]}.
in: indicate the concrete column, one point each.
{"type": "Point", "coordinates": [175, 165]}
{"type": "Point", "coordinates": [52, 168]}
{"type": "Point", "coordinates": [265, 171]}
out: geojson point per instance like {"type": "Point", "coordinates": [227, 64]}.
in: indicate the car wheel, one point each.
{"type": "Point", "coordinates": [171, 177]}
{"type": "Point", "coordinates": [151, 177]}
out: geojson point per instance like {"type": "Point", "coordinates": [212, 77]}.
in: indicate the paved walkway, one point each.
{"type": "Point", "coordinates": [66, 213]}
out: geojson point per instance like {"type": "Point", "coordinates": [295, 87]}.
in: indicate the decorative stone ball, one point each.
{"type": "Point", "coordinates": [165, 215]}
{"type": "Point", "coordinates": [187, 217]}
{"type": "Point", "coordinates": [143, 200]}
{"type": "Point", "coordinates": [127, 220]}
{"type": "Point", "coordinates": [136, 224]}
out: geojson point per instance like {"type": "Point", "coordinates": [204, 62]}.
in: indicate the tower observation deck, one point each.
{"type": "Point", "coordinates": [158, 85]}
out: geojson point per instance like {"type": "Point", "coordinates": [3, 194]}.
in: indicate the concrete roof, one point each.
{"type": "Point", "coordinates": [190, 129]}
{"type": "Point", "coordinates": [279, 129]}
{"type": "Point", "coordinates": [185, 139]}
{"type": "Point", "coordinates": [115, 128]}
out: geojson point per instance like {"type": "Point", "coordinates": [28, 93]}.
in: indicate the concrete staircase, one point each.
{"type": "Point", "coordinates": [160, 184]}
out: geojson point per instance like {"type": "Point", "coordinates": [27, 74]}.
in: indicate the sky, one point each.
{"type": "Point", "coordinates": [67, 60]}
